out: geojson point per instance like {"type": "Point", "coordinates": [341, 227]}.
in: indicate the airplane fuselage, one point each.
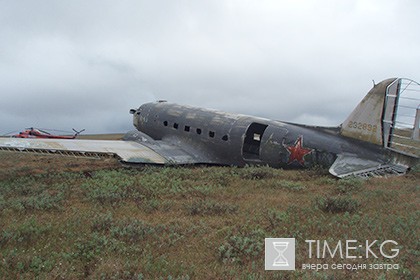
{"type": "Point", "coordinates": [235, 139]}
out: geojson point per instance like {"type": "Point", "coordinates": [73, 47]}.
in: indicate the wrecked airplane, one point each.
{"type": "Point", "coordinates": [379, 138]}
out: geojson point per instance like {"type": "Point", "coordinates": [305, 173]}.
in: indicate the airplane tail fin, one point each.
{"type": "Point", "coordinates": [388, 116]}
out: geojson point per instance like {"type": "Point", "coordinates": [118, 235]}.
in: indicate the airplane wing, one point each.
{"type": "Point", "coordinates": [127, 151]}
{"type": "Point", "coordinates": [351, 165]}
{"type": "Point", "coordinates": [136, 147]}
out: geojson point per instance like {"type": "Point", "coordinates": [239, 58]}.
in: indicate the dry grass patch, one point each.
{"type": "Point", "coordinates": [96, 219]}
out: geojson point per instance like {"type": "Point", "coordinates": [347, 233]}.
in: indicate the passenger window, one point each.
{"type": "Point", "coordinates": [165, 123]}
{"type": "Point", "coordinates": [187, 128]}
{"type": "Point", "coordinates": [211, 134]}
{"type": "Point", "coordinates": [175, 125]}
{"type": "Point", "coordinates": [225, 138]}
{"type": "Point", "coordinates": [198, 130]}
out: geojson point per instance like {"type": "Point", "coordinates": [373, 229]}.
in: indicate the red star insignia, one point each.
{"type": "Point", "coordinates": [297, 152]}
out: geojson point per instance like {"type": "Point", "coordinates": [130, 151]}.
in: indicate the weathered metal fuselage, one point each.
{"type": "Point", "coordinates": [234, 139]}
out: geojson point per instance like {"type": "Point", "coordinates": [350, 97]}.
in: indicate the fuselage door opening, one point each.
{"type": "Point", "coordinates": [252, 141]}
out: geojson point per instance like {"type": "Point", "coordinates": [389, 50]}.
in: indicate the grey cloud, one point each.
{"type": "Point", "coordinates": [83, 64]}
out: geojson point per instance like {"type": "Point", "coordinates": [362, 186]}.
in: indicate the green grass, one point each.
{"type": "Point", "coordinates": [192, 222]}
{"type": "Point", "coordinates": [210, 207]}
{"type": "Point", "coordinates": [337, 204]}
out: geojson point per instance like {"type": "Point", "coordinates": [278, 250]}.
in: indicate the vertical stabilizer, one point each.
{"type": "Point", "coordinates": [365, 122]}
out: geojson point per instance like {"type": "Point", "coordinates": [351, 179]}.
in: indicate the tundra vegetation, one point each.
{"type": "Point", "coordinates": [80, 218]}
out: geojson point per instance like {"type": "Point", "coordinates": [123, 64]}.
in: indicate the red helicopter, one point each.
{"type": "Point", "coordinates": [39, 133]}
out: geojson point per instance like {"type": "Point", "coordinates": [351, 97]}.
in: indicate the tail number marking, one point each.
{"type": "Point", "coordinates": [363, 126]}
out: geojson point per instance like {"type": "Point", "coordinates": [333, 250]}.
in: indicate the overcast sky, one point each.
{"type": "Point", "coordinates": [84, 64]}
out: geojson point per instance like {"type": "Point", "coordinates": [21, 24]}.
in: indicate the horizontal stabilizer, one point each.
{"type": "Point", "coordinates": [350, 165]}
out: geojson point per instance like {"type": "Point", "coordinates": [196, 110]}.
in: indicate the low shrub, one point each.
{"type": "Point", "coordinates": [43, 201]}
{"type": "Point", "coordinates": [351, 184]}
{"type": "Point", "coordinates": [102, 222]}
{"type": "Point", "coordinates": [132, 231]}
{"type": "Point", "coordinates": [337, 204]}
{"type": "Point", "coordinates": [288, 185]}
{"type": "Point", "coordinates": [277, 218]}
{"type": "Point", "coordinates": [88, 250]}
{"type": "Point", "coordinates": [256, 172]}
{"type": "Point", "coordinates": [27, 232]}
{"type": "Point", "coordinates": [210, 207]}
{"type": "Point", "coordinates": [242, 247]}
